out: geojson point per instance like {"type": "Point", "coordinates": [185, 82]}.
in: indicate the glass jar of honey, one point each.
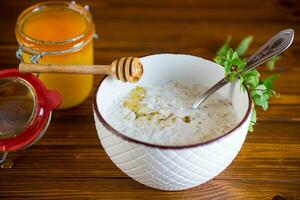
{"type": "Point", "coordinates": [58, 33]}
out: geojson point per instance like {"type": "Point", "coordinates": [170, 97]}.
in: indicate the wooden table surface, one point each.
{"type": "Point", "coordinates": [69, 163]}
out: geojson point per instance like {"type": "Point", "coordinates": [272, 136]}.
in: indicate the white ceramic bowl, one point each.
{"type": "Point", "coordinates": [172, 167]}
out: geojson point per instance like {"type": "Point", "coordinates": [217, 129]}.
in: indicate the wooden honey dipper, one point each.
{"type": "Point", "coordinates": [126, 69]}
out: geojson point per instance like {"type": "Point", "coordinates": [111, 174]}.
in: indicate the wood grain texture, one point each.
{"type": "Point", "coordinates": [69, 163]}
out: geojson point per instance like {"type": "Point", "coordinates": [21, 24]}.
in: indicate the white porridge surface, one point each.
{"type": "Point", "coordinates": [162, 114]}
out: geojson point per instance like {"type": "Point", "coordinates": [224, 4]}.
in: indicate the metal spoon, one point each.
{"type": "Point", "coordinates": [276, 45]}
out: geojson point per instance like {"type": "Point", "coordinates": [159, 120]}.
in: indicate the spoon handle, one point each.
{"type": "Point", "coordinates": [276, 45]}
{"type": "Point", "coordinates": [209, 92]}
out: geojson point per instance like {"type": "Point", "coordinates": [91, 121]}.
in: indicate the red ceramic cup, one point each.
{"type": "Point", "coordinates": [12, 110]}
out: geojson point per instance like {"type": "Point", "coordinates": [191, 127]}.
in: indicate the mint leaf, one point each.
{"type": "Point", "coordinates": [229, 54]}
{"type": "Point", "coordinates": [239, 63]}
{"type": "Point", "coordinates": [268, 82]}
{"type": "Point", "coordinates": [232, 76]}
{"type": "Point", "coordinates": [227, 67]}
{"type": "Point", "coordinates": [256, 99]}
{"type": "Point", "coordinates": [235, 55]}
{"type": "Point", "coordinates": [253, 119]}
{"type": "Point", "coordinates": [220, 60]}
{"type": "Point", "coordinates": [272, 61]}
{"type": "Point", "coordinates": [252, 72]}
{"type": "Point", "coordinates": [223, 50]}
{"type": "Point", "coordinates": [250, 127]}
{"type": "Point", "coordinates": [261, 87]}
{"type": "Point", "coordinates": [264, 102]}
{"type": "Point", "coordinates": [244, 45]}
{"type": "Point", "coordinates": [257, 92]}
{"type": "Point", "coordinates": [251, 79]}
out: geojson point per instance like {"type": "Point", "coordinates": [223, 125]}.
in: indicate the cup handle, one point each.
{"type": "Point", "coordinates": [53, 99]}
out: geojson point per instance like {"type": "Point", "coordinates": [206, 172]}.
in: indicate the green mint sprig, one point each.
{"type": "Point", "coordinates": [271, 63]}
{"type": "Point", "coordinates": [260, 90]}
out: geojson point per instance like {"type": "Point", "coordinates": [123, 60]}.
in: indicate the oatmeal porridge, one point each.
{"type": "Point", "coordinates": [162, 114]}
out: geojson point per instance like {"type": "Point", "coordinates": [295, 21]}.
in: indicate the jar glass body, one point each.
{"type": "Point", "coordinates": [59, 33]}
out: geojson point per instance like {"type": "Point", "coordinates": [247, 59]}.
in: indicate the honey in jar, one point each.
{"type": "Point", "coordinates": [58, 33]}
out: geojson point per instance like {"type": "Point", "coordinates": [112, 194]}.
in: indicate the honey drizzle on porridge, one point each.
{"type": "Point", "coordinates": [135, 102]}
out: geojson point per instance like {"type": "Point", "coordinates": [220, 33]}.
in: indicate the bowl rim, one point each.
{"type": "Point", "coordinates": [174, 147]}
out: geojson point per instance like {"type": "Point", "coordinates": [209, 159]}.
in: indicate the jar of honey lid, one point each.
{"type": "Point", "coordinates": [58, 33]}
{"type": "Point", "coordinates": [25, 110]}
